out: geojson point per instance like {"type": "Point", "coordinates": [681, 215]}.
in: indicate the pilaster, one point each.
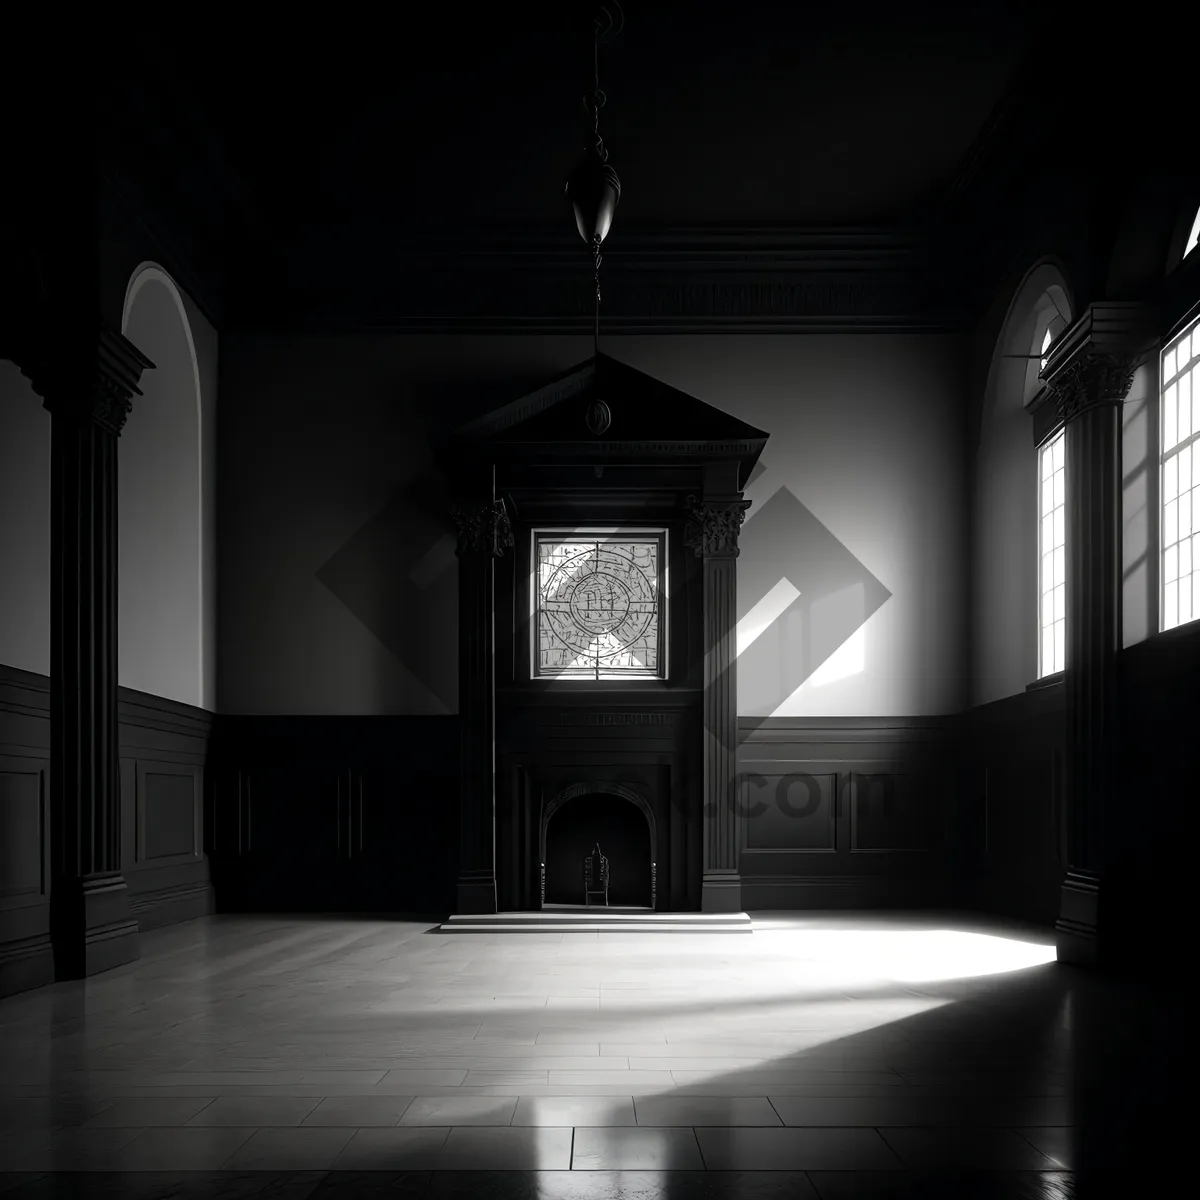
{"type": "Point", "coordinates": [484, 533]}
{"type": "Point", "coordinates": [1089, 374]}
{"type": "Point", "coordinates": [714, 522]}
{"type": "Point", "coordinates": [87, 384]}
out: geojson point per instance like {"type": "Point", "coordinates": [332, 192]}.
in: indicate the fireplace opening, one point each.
{"type": "Point", "coordinates": [623, 833]}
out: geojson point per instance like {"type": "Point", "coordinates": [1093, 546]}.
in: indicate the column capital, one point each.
{"type": "Point", "coordinates": [1094, 360]}
{"type": "Point", "coordinates": [483, 528]}
{"type": "Point", "coordinates": [94, 381]}
{"type": "Point", "coordinates": [713, 525]}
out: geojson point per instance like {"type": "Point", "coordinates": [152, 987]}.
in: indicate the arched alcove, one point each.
{"type": "Point", "coordinates": [621, 821]}
{"type": "Point", "coordinates": [1004, 567]}
{"type": "Point", "coordinates": [161, 569]}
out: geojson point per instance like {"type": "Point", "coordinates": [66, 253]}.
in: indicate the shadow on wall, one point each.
{"type": "Point", "coordinates": [801, 593]}
{"type": "Point", "coordinates": [398, 575]}
{"type": "Point", "coordinates": [801, 596]}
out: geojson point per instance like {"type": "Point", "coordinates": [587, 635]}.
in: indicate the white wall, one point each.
{"type": "Point", "coordinates": [24, 524]}
{"type": "Point", "coordinates": [166, 469]}
{"type": "Point", "coordinates": [865, 450]}
{"type": "Point", "coordinates": [338, 589]}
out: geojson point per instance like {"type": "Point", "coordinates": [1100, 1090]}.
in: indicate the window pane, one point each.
{"type": "Point", "coordinates": [1047, 462]}
{"type": "Point", "coordinates": [1171, 523]}
{"type": "Point", "coordinates": [1171, 605]}
{"type": "Point", "coordinates": [1185, 601]}
{"type": "Point", "coordinates": [1170, 564]}
{"type": "Point", "coordinates": [1185, 410]}
{"type": "Point", "coordinates": [1060, 452]}
{"type": "Point", "coordinates": [1060, 488]}
{"type": "Point", "coordinates": [1047, 650]}
{"type": "Point", "coordinates": [1047, 609]}
{"type": "Point", "coordinates": [1060, 526]}
{"type": "Point", "coordinates": [1185, 469]}
{"type": "Point", "coordinates": [1047, 494]}
{"type": "Point", "coordinates": [1185, 513]}
{"type": "Point", "coordinates": [1170, 478]}
{"type": "Point", "coordinates": [1048, 530]}
{"type": "Point", "coordinates": [1060, 566]}
{"type": "Point", "coordinates": [1185, 557]}
{"type": "Point", "coordinates": [1169, 415]}
{"type": "Point", "coordinates": [1060, 602]}
{"type": "Point", "coordinates": [1168, 367]}
{"type": "Point", "coordinates": [1060, 645]}
{"type": "Point", "coordinates": [1183, 351]}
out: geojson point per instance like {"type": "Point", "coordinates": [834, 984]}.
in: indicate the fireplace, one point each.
{"type": "Point", "coordinates": [597, 610]}
{"type": "Point", "coordinates": [621, 822]}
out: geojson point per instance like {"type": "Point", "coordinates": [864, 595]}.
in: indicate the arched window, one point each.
{"type": "Point", "coordinates": [1194, 236]}
{"type": "Point", "coordinates": [1180, 381]}
{"type": "Point", "coordinates": [1047, 341]}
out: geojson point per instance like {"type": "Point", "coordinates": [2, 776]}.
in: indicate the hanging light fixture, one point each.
{"type": "Point", "coordinates": [593, 187]}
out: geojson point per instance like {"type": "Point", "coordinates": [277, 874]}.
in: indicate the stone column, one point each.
{"type": "Point", "coordinates": [484, 533]}
{"type": "Point", "coordinates": [1089, 376]}
{"type": "Point", "coordinates": [712, 532]}
{"type": "Point", "coordinates": [88, 391]}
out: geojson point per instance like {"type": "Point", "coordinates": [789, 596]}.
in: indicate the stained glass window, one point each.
{"type": "Point", "coordinates": [598, 605]}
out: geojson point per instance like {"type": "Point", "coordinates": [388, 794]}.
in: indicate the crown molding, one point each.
{"type": "Point", "coordinates": [524, 279]}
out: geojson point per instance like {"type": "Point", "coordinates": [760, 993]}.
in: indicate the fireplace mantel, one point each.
{"type": "Point", "coordinates": [668, 461]}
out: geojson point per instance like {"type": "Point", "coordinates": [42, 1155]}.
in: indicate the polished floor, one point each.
{"type": "Point", "coordinates": [823, 1056]}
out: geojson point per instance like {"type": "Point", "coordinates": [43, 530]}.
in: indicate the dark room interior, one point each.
{"type": "Point", "coordinates": [598, 601]}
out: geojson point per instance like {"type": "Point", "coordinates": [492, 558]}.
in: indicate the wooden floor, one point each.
{"type": "Point", "coordinates": [821, 1056]}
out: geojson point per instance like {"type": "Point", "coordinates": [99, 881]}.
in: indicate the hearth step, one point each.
{"type": "Point", "coordinates": [571, 919]}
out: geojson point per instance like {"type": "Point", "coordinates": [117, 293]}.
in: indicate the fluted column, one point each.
{"type": "Point", "coordinates": [484, 533]}
{"type": "Point", "coordinates": [88, 390]}
{"type": "Point", "coordinates": [712, 533]}
{"type": "Point", "coordinates": [1089, 379]}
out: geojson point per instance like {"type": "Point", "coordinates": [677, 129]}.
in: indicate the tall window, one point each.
{"type": "Point", "coordinates": [1180, 380]}
{"type": "Point", "coordinates": [598, 604]}
{"type": "Point", "coordinates": [1052, 544]}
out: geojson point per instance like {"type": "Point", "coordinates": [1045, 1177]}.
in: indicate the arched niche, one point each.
{"type": "Point", "coordinates": [587, 790]}
{"type": "Point", "coordinates": [160, 501]}
{"type": "Point", "coordinates": [1005, 519]}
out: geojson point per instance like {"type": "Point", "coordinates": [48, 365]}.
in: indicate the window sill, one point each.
{"type": "Point", "coordinates": [1047, 681]}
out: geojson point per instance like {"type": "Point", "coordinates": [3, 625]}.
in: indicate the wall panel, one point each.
{"type": "Point", "coordinates": [846, 813]}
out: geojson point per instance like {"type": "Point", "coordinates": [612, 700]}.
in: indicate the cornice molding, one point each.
{"type": "Point", "coordinates": [538, 281]}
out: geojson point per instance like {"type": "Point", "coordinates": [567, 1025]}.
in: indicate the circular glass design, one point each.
{"type": "Point", "coordinates": [598, 606]}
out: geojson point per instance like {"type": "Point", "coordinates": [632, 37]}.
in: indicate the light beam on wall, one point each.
{"type": "Point", "coordinates": [772, 606]}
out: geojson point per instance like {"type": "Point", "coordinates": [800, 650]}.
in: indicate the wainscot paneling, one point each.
{"type": "Point", "coordinates": [163, 751]}
{"type": "Point", "coordinates": [845, 812]}
{"type": "Point", "coordinates": [334, 814]}
{"type": "Point", "coordinates": [26, 957]}
{"type": "Point", "coordinates": [164, 755]}
{"type": "Point", "coordinates": [1011, 796]}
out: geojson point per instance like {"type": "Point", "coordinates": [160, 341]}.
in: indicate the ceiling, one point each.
{"type": "Point", "coordinates": [310, 145]}
{"type": "Point", "coordinates": [754, 113]}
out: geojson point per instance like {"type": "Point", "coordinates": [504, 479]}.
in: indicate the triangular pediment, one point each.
{"type": "Point", "coordinates": [648, 419]}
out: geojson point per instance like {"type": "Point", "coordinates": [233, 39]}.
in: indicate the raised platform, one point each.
{"type": "Point", "coordinates": [567, 918]}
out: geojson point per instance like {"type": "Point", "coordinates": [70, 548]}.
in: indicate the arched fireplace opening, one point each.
{"type": "Point", "coordinates": [621, 823]}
